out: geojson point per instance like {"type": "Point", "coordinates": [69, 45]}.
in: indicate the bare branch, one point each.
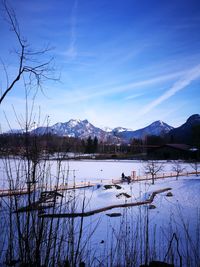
{"type": "Point", "coordinates": [12, 20]}
{"type": "Point", "coordinates": [6, 73]}
{"type": "Point", "coordinates": [10, 87]}
{"type": "Point", "coordinates": [30, 63]}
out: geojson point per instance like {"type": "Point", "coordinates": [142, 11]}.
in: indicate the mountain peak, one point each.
{"type": "Point", "coordinates": [184, 132]}
{"type": "Point", "coordinates": [159, 122]}
{"type": "Point", "coordinates": [159, 125]}
{"type": "Point", "coordinates": [156, 128]}
{"type": "Point", "coordinates": [107, 129]}
{"type": "Point", "coordinates": [120, 129]}
{"type": "Point", "coordinates": [193, 118]}
{"type": "Point", "coordinates": [73, 122]}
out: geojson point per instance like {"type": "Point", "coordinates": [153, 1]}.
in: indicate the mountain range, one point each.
{"type": "Point", "coordinates": [83, 129]}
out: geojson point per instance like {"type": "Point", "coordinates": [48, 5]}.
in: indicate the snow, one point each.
{"type": "Point", "coordinates": [84, 171]}
{"type": "Point", "coordinates": [106, 129]}
{"type": "Point", "coordinates": [73, 122]}
{"type": "Point", "coordinates": [185, 191]}
{"type": "Point", "coordinates": [177, 214]}
{"type": "Point", "coordinates": [120, 129]}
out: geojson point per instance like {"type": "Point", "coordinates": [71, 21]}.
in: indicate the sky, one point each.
{"type": "Point", "coordinates": [118, 62]}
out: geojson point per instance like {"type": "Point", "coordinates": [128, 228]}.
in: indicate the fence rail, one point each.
{"type": "Point", "coordinates": [86, 184]}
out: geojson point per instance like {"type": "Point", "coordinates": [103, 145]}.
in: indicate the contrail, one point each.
{"type": "Point", "coordinates": [189, 77]}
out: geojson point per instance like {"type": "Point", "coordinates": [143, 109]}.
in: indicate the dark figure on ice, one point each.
{"type": "Point", "coordinates": [126, 178]}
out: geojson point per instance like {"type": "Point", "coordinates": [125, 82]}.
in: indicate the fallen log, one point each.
{"type": "Point", "coordinates": [92, 212]}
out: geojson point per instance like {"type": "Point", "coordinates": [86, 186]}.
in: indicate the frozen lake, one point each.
{"type": "Point", "coordinates": [176, 215]}
{"type": "Point", "coordinates": [78, 170]}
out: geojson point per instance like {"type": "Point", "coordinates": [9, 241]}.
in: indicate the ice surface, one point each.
{"type": "Point", "coordinates": [176, 214]}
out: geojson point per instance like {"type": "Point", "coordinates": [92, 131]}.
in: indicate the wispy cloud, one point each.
{"type": "Point", "coordinates": [84, 94]}
{"type": "Point", "coordinates": [183, 82]}
{"type": "Point", "coordinates": [130, 97]}
{"type": "Point", "coordinates": [72, 50]}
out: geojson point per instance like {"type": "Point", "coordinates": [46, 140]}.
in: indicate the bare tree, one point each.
{"type": "Point", "coordinates": [177, 168]}
{"type": "Point", "coordinates": [32, 65]}
{"type": "Point", "coordinates": [195, 166]}
{"type": "Point", "coordinates": [153, 167]}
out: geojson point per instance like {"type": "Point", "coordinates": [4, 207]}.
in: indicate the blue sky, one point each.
{"type": "Point", "coordinates": [121, 63]}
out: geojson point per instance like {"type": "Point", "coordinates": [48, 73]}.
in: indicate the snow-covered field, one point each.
{"type": "Point", "coordinates": [174, 220]}
{"type": "Point", "coordinates": [79, 170]}
{"type": "Point", "coordinates": [168, 231]}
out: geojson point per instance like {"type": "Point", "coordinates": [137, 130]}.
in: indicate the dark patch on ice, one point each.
{"type": "Point", "coordinates": [114, 214]}
{"type": "Point", "coordinates": [123, 194]}
{"type": "Point", "coordinates": [110, 186]}
{"type": "Point", "coordinates": [169, 194]}
{"type": "Point", "coordinates": [107, 186]}
{"type": "Point", "coordinates": [151, 207]}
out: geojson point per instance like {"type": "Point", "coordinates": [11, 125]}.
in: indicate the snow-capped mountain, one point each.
{"type": "Point", "coordinates": [107, 129]}
{"type": "Point", "coordinates": [156, 128]}
{"type": "Point", "coordinates": [117, 130]}
{"type": "Point", "coordinates": [73, 128]}
{"type": "Point", "coordinates": [84, 129]}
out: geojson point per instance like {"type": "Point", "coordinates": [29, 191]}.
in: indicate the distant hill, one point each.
{"type": "Point", "coordinates": [183, 134]}
{"type": "Point", "coordinates": [158, 128]}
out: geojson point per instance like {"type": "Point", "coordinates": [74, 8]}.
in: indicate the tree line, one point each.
{"type": "Point", "coordinates": [48, 143]}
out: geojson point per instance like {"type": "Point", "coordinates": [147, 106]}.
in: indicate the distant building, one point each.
{"type": "Point", "coordinates": [173, 151]}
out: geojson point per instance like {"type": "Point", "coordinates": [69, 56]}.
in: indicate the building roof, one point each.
{"type": "Point", "coordinates": [180, 146]}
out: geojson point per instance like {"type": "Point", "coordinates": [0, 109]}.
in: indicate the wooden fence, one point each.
{"type": "Point", "coordinates": [87, 184]}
